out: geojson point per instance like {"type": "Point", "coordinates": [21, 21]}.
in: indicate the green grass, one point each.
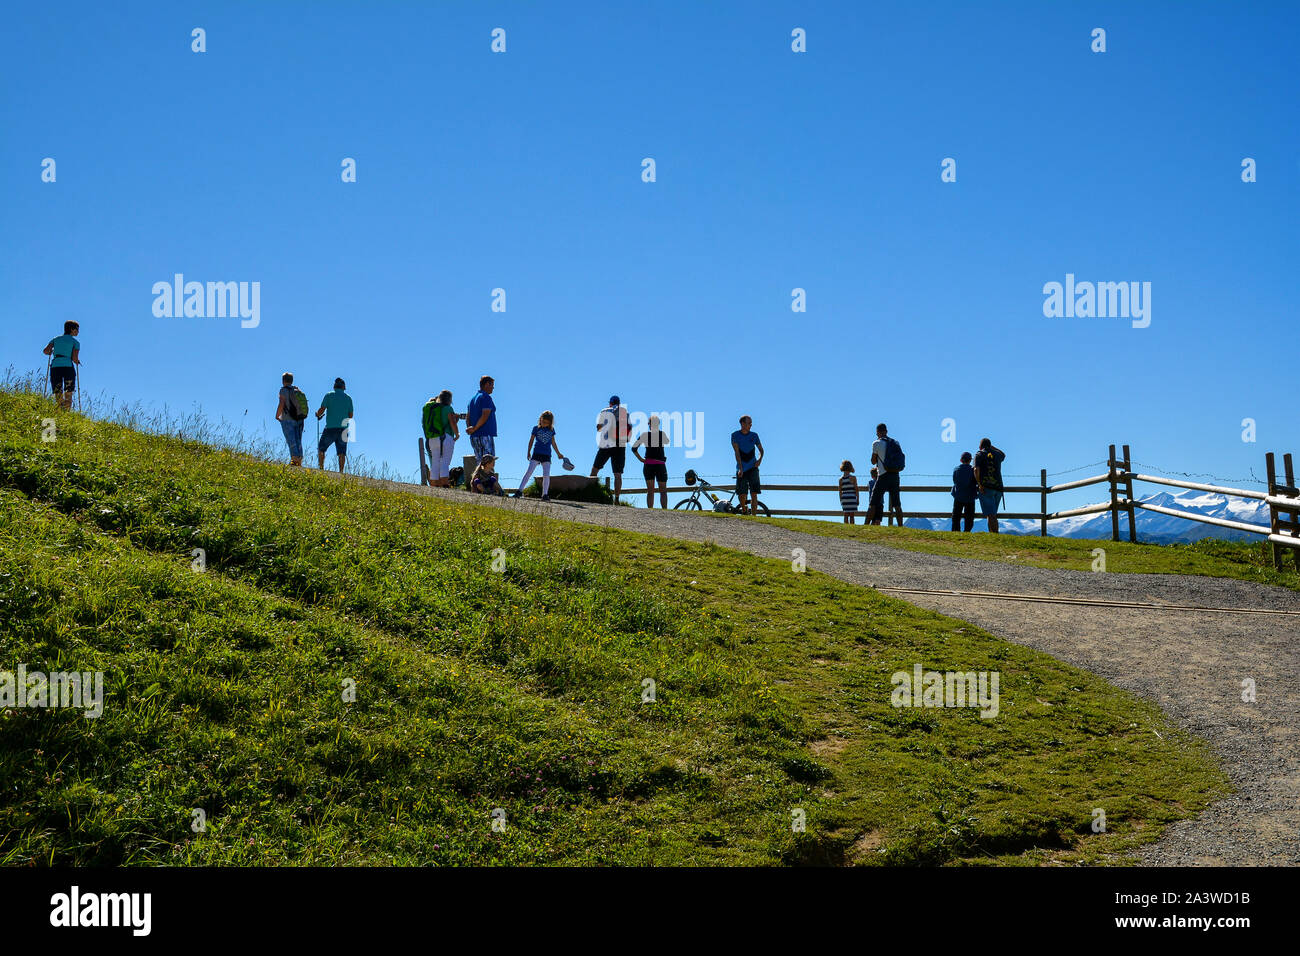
{"type": "Point", "coordinates": [1245, 560]}
{"type": "Point", "coordinates": [519, 689]}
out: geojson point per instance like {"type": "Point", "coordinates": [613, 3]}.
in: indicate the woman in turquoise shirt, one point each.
{"type": "Point", "coordinates": [65, 356]}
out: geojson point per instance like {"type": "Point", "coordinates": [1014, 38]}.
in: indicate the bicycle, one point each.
{"type": "Point", "coordinates": [707, 491]}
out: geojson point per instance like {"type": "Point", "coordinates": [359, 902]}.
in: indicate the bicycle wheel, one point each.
{"type": "Point", "coordinates": [688, 504]}
{"type": "Point", "coordinates": [762, 509]}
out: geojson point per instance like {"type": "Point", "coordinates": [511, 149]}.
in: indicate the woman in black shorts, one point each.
{"type": "Point", "coordinates": [654, 462]}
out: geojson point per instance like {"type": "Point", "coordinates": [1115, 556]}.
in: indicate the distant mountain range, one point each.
{"type": "Point", "coordinates": [1151, 527]}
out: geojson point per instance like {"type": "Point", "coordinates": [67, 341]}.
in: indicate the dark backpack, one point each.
{"type": "Point", "coordinates": [296, 403]}
{"type": "Point", "coordinates": [990, 470]}
{"type": "Point", "coordinates": [895, 460]}
{"type": "Point", "coordinates": [436, 419]}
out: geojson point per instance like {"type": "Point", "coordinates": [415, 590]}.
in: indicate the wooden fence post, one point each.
{"type": "Point", "coordinates": [1043, 478]}
{"type": "Point", "coordinates": [1114, 498]}
{"type": "Point", "coordinates": [1293, 517]}
{"type": "Point", "coordinates": [1271, 468]}
{"type": "Point", "coordinates": [1128, 470]}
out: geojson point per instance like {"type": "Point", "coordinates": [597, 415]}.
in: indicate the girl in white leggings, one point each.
{"type": "Point", "coordinates": [540, 443]}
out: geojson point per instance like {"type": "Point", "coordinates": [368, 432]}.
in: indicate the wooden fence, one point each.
{"type": "Point", "coordinates": [1282, 498]}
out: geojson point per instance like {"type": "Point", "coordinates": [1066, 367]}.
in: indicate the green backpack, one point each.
{"type": "Point", "coordinates": [436, 419]}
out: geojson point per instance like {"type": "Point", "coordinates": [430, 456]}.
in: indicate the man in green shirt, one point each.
{"type": "Point", "coordinates": [335, 408]}
{"type": "Point", "coordinates": [65, 356]}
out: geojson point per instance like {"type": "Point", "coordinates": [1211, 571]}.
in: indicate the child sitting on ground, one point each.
{"type": "Point", "coordinates": [485, 480]}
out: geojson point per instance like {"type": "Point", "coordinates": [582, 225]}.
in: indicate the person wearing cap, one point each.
{"type": "Point", "coordinates": [335, 408]}
{"type": "Point", "coordinates": [963, 494]}
{"type": "Point", "coordinates": [612, 433]}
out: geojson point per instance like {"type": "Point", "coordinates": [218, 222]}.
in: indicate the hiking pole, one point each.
{"type": "Point", "coordinates": [49, 366]}
{"type": "Point", "coordinates": [76, 383]}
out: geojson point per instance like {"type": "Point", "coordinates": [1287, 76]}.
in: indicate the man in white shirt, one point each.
{"type": "Point", "coordinates": [613, 431]}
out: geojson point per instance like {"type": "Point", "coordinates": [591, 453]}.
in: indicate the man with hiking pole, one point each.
{"type": "Point", "coordinates": [335, 408]}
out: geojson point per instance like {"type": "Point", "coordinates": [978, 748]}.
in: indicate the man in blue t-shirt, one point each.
{"type": "Point", "coordinates": [336, 408]}
{"type": "Point", "coordinates": [65, 356]}
{"type": "Point", "coordinates": [481, 420]}
{"type": "Point", "coordinates": [749, 453]}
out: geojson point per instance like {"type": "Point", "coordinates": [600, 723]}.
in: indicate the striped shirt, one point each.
{"type": "Point", "coordinates": [849, 492]}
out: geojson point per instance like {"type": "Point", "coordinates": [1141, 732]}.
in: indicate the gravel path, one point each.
{"type": "Point", "coordinates": [1190, 663]}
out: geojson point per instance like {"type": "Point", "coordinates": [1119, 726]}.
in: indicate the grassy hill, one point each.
{"type": "Point", "coordinates": [518, 689]}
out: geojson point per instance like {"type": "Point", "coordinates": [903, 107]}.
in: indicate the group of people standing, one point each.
{"type": "Point", "coordinates": [978, 478]}
{"type": "Point", "coordinates": [441, 432]}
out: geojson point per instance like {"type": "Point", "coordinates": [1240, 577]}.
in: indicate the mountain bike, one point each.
{"type": "Point", "coordinates": [706, 494]}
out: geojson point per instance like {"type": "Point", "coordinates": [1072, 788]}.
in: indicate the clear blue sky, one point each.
{"type": "Point", "coordinates": [775, 170]}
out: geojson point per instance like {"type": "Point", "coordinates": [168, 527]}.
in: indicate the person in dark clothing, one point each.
{"type": "Point", "coordinates": [887, 480]}
{"type": "Point", "coordinates": [963, 494]}
{"type": "Point", "coordinates": [654, 462]}
{"type": "Point", "coordinates": [988, 481]}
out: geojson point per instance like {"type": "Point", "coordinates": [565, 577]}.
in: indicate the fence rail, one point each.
{"type": "Point", "coordinates": [1282, 498]}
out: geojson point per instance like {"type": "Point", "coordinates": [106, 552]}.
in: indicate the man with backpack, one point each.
{"type": "Point", "coordinates": [988, 478]}
{"type": "Point", "coordinates": [613, 432]}
{"type": "Point", "coordinates": [887, 455]}
{"type": "Point", "coordinates": [440, 434]}
{"type": "Point", "coordinates": [291, 413]}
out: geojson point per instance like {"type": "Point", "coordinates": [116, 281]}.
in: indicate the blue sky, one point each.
{"type": "Point", "coordinates": [775, 170]}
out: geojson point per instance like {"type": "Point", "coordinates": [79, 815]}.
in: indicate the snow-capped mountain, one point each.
{"type": "Point", "coordinates": [1152, 527]}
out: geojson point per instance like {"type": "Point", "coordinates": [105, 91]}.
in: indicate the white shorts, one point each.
{"type": "Point", "coordinates": [440, 450]}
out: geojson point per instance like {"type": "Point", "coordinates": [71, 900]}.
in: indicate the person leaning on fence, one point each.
{"type": "Point", "coordinates": [887, 455]}
{"type": "Point", "coordinates": [335, 408]}
{"type": "Point", "coordinates": [749, 455]}
{"type": "Point", "coordinates": [654, 463]}
{"type": "Point", "coordinates": [65, 356]}
{"type": "Point", "coordinates": [848, 491]}
{"type": "Point", "coordinates": [440, 433]}
{"type": "Point", "coordinates": [963, 494]}
{"type": "Point", "coordinates": [988, 479]}
{"type": "Point", "coordinates": [291, 412]}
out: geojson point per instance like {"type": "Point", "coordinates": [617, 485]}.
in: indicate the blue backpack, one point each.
{"type": "Point", "coordinates": [895, 460]}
